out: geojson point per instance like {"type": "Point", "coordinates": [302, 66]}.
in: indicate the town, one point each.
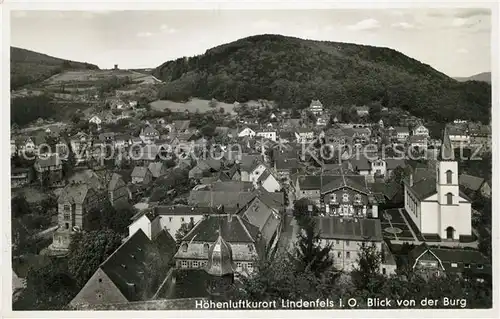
{"type": "Point", "coordinates": [185, 218]}
{"type": "Point", "coordinates": [251, 160]}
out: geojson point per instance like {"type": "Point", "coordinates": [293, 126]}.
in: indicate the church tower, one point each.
{"type": "Point", "coordinates": [220, 269]}
{"type": "Point", "coordinates": [454, 211]}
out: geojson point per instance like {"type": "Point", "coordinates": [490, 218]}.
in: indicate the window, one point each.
{"type": "Point", "coordinates": [339, 254]}
{"type": "Point", "coordinates": [184, 247]}
{"type": "Point", "coordinates": [449, 174]}
{"type": "Point", "coordinates": [100, 279]}
{"type": "Point", "coordinates": [184, 264]}
{"type": "Point", "coordinates": [66, 225]}
{"type": "Point", "coordinates": [345, 197]}
{"type": "Point", "coordinates": [454, 265]}
{"type": "Point", "coordinates": [449, 199]}
{"type": "Point", "coordinates": [347, 243]}
{"type": "Point", "coordinates": [182, 219]}
{"type": "Point", "coordinates": [384, 271]}
{"type": "Point", "coordinates": [348, 255]}
{"type": "Point", "coordinates": [466, 265]}
{"type": "Point", "coordinates": [205, 248]}
{"type": "Point", "coordinates": [250, 266]}
{"type": "Point", "coordinates": [337, 242]}
{"type": "Point", "coordinates": [170, 219]}
{"type": "Point", "coordinates": [67, 208]}
{"type": "Point", "coordinates": [357, 198]}
{"type": "Point", "coordinates": [333, 198]}
{"type": "Point", "coordinates": [195, 264]}
{"type": "Point", "coordinates": [192, 219]}
{"type": "Point", "coordinates": [479, 266]}
{"type": "Point", "coordinates": [66, 215]}
{"type": "Point", "coordinates": [238, 265]}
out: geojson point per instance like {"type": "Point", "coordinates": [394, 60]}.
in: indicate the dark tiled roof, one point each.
{"type": "Point", "coordinates": [356, 182]}
{"type": "Point", "coordinates": [128, 265]}
{"type": "Point", "coordinates": [74, 193]}
{"type": "Point", "coordinates": [232, 227]}
{"type": "Point", "coordinates": [181, 125]}
{"type": "Point", "coordinates": [361, 164]}
{"type": "Point", "coordinates": [393, 163]}
{"type": "Point", "coordinates": [470, 182]}
{"type": "Point", "coordinates": [424, 188]}
{"type": "Point", "coordinates": [287, 163]}
{"type": "Point", "coordinates": [232, 186]}
{"type": "Point", "coordinates": [183, 210]}
{"type": "Point", "coordinates": [349, 229]}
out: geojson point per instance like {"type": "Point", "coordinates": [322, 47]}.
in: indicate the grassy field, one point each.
{"type": "Point", "coordinates": [191, 106]}
{"type": "Point", "coordinates": [86, 77]}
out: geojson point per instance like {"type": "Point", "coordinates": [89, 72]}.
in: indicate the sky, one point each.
{"type": "Point", "coordinates": [453, 41]}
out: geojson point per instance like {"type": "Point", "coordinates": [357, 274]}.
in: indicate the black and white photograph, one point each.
{"type": "Point", "coordinates": [330, 159]}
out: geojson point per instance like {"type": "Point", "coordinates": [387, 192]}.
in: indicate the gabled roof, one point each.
{"type": "Point", "coordinates": [362, 229]}
{"type": "Point", "coordinates": [355, 182]}
{"type": "Point", "coordinates": [470, 182]}
{"type": "Point", "coordinates": [233, 228]}
{"type": "Point", "coordinates": [287, 163]}
{"type": "Point", "coordinates": [74, 193]}
{"type": "Point", "coordinates": [156, 168]}
{"type": "Point", "coordinates": [130, 263]}
{"type": "Point", "coordinates": [181, 125]}
{"type": "Point", "coordinates": [139, 171]}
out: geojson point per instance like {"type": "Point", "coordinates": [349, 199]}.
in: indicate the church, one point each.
{"type": "Point", "coordinates": [433, 199]}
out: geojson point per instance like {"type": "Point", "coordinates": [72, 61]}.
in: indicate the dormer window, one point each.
{"type": "Point", "coordinates": [345, 197]}
{"type": "Point", "coordinates": [206, 247]}
{"type": "Point", "coordinates": [184, 247]}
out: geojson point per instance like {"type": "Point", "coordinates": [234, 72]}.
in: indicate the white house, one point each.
{"type": "Point", "coordinates": [268, 181]}
{"type": "Point", "coordinates": [458, 136]}
{"type": "Point", "coordinates": [435, 203]}
{"type": "Point", "coordinates": [303, 135]}
{"type": "Point", "coordinates": [421, 130]}
{"type": "Point", "coordinates": [316, 107]}
{"type": "Point", "coordinates": [418, 142]}
{"type": "Point", "coordinates": [402, 133]}
{"type": "Point", "coordinates": [96, 120]}
{"type": "Point", "coordinates": [246, 132]}
{"type": "Point", "coordinates": [269, 134]}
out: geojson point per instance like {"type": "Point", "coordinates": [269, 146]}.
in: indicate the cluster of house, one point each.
{"type": "Point", "coordinates": [234, 215]}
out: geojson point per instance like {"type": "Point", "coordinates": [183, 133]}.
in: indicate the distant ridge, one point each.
{"type": "Point", "coordinates": [482, 77]}
{"type": "Point", "coordinates": [28, 67]}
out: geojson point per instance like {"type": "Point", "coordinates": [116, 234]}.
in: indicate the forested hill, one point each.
{"type": "Point", "coordinates": [293, 71]}
{"type": "Point", "coordinates": [27, 67]}
{"type": "Point", "coordinates": [484, 77]}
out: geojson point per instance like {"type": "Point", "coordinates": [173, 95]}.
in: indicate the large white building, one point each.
{"type": "Point", "coordinates": [434, 201]}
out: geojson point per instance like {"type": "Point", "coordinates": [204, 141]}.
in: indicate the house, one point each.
{"type": "Point", "coordinates": [157, 169]}
{"type": "Point", "coordinates": [285, 137]}
{"type": "Point", "coordinates": [304, 135]}
{"type": "Point", "coordinates": [179, 126]}
{"type": "Point", "coordinates": [96, 120]}
{"type": "Point", "coordinates": [141, 175]}
{"type": "Point", "coordinates": [107, 138]}
{"type": "Point", "coordinates": [268, 181]}
{"type": "Point", "coordinates": [418, 142]}
{"type": "Point", "coordinates": [348, 236]}
{"type": "Point", "coordinates": [246, 132]}
{"type": "Point", "coordinates": [48, 169]}
{"type": "Point", "coordinates": [458, 135]}
{"type": "Point", "coordinates": [268, 134]}
{"type": "Point", "coordinates": [430, 262]}
{"type": "Point", "coordinates": [434, 201]}
{"type": "Point", "coordinates": [292, 123]}
{"type": "Point", "coordinates": [74, 202]}
{"type": "Point", "coordinates": [80, 144]}
{"type": "Point", "coordinates": [243, 237]}
{"type": "Point", "coordinates": [118, 192]}
{"type": "Point", "coordinates": [421, 130]}
{"type": "Point", "coordinates": [322, 121]}
{"type": "Point", "coordinates": [362, 111]}
{"type": "Point", "coordinates": [144, 154]}
{"type": "Point", "coordinates": [316, 108]}
{"type": "Point", "coordinates": [204, 168]}
{"type": "Point", "coordinates": [474, 185]}
{"type": "Point", "coordinates": [231, 199]}
{"type": "Point", "coordinates": [132, 273]}
{"type": "Point", "coordinates": [391, 164]}
{"type": "Point", "coordinates": [169, 218]}
{"type": "Point", "coordinates": [25, 145]}
{"type": "Point", "coordinates": [20, 176]}
{"type": "Point", "coordinates": [149, 134]}
{"type": "Point", "coordinates": [401, 133]}
{"type": "Point", "coordinates": [266, 214]}
{"type": "Point", "coordinates": [285, 167]}
{"type": "Point", "coordinates": [338, 195]}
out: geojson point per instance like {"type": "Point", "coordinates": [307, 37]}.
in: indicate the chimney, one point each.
{"type": "Point", "coordinates": [411, 180]}
{"type": "Point", "coordinates": [116, 66]}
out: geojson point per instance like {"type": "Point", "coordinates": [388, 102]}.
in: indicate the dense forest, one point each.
{"type": "Point", "coordinates": [293, 71]}
{"type": "Point", "coordinates": [28, 67]}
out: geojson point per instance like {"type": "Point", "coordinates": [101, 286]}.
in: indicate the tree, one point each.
{"type": "Point", "coordinates": [19, 206]}
{"type": "Point", "coordinates": [367, 268]}
{"type": "Point", "coordinates": [400, 174]}
{"type": "Point", "coordinates": [375, 112]}
{"type": "Point", "coordinates": [183, 230]}
{"type": "Point", "coordinates": [309, 255]}
{"type": "Point", "coordinates": [302, 211]}
{"type": "Point", "coordinates": [50, 287]}
{"type": "Point", "coordinates": [88, 250]}
{"type": "Point", "coordinates": [105, 216]}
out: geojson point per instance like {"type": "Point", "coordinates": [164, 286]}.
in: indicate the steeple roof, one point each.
{"type": "Point", "coordinates": [447, 152]}
{"type": "Point", "coordinates": [220, 258]}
